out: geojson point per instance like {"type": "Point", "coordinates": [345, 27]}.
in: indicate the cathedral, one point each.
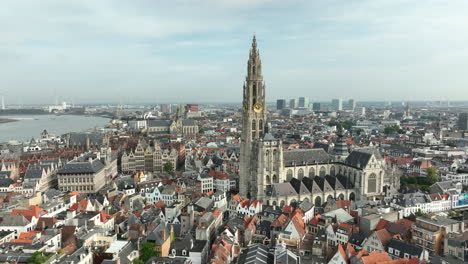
{"type": "Point", "coordinates": [278, 177]}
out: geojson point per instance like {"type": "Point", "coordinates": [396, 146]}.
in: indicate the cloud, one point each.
{"type": "Point", "coordinates": [90, 49]}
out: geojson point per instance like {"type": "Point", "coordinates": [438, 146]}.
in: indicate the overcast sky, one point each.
{"type": "Point", "coordinates": [196, 51]}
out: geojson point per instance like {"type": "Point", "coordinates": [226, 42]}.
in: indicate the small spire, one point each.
{"type": "Point", "coordinates": [254, 41]}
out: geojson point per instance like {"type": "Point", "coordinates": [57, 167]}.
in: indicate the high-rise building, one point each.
{"type": "Point", "coordinates": [280, 104]}
{"type": "Point", "coordinates": [337, 104]}
{"type": "Point", "coordinates": [293, 103]}
{"type": "Point", "coordinates": [463, 121]}
{"type": "Point", "coordinates": [253, 116]}
{"type": "Point", "coordinates": [304, 102]}
{"type": "Point", "coordinates": [166, 108]}
{"type": "Point", "coordinates": [316, 106]}
{"type": "Point", "coordinates": [351, 104]}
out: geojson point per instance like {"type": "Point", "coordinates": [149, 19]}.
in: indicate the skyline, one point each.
{"type": "Point", "coordinates": [152, 51]}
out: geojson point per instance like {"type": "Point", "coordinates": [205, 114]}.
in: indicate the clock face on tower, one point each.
{"type": "Point", "coordinates": [258, 107]}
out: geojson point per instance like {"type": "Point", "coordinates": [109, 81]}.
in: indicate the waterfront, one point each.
{"type": "Point", "coordinates": [28, 126]}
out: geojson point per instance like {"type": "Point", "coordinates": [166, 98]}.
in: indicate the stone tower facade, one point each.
{"type": "Point", "coordinates": [253, 118]}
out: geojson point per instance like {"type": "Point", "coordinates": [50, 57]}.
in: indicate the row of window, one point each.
{"type": "Point", "coordinates": [77, 188]}
{"type": "Point", "coordinates": [75, 180]}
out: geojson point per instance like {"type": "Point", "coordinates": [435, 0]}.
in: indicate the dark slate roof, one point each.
{"type": "Point", "coordinates": [321, 145]}
{"type": "Point", "coordinates": [159, 123]}
{"type": "Point", "coordinates": [404, 247]}
{"type": "Point", "coordinates": [5, 182]}
{"type": "Point", "coordinates": [80, 138]}
{"type": "Point", "coordinates": [360, 158]}
{"type": "Point", "coordinates": [305, 156]}
{"type": "Point", "coordinates": [345, 182]}
{"type": "Point", "coordinates": [5, 174]}
{"type": "Point", "coordinates": [357, 239]}
{"type": "Point", "coordinates": [73, 167]}
{"type": "Point", "coordinates": [33, 172]}
{"type": "Point", "coordinates": [188, 122]}
{"type": "Point", "coordinates": [256, 254]}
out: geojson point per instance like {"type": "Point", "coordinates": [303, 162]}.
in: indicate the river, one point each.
{"type": "Point", "coordinates": [28, 126]}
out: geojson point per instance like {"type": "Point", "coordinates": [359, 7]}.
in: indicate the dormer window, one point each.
{"type": "Point", "coordinates": [184, 252]}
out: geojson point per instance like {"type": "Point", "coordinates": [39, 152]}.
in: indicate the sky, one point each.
{"type": "Point", "coordinates": [154, 51]}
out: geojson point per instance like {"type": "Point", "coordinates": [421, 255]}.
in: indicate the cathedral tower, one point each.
{"type": "Point", "coordinates": [253, 117]}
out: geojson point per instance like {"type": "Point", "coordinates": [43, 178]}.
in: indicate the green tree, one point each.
{"type": "Point", "coordinates": [392, 129]}
{"type": "Point", "coordinates": [38, 257]}
{"type": "Point", "coordinates": [147, 251]}
{"type": "Point", "coordinates": [168, 167]}
{"type": "Point", "coordinates": [431, 175]}
{"type": "Point", "coordinates": [138, 261]}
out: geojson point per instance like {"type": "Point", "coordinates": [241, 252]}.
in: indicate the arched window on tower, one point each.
{"type": "Point", "coordinates": [253, 70]}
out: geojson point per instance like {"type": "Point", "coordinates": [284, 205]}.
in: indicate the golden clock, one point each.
{"type": "Point", "coordinates": [258, 107]}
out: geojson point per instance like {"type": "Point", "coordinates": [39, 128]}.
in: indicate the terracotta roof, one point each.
{"type": "Point", "coordinates": [384, 236]}
{"type": "Point", "coordinates": [33, 210]}
{"type": "Point", "coordinates": [343, 204]}
{"type": "Point", "coordinates": [375, 257]}
{"type": "Point", "coordinates": [381, 224]}
{"type": "Point", "coordinates": [280, 221]}
{"type": "Point", "coordinates": [405, 222]}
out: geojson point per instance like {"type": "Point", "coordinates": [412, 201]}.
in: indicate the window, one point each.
{"type": "Point", "coordinates": [372, 183]}
{"type": "Point", "coordinates": [289, 175]}
{"type": "Point", "coordinates": [397, 253]}
{"type": "Point", "coordinates": [300, 174]}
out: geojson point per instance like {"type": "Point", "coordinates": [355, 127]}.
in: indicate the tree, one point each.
{"type": "Point", "coordinates": [392, 130]}
{"type": "Point", "coordinates": [168, 167]}
{"type": "Point", "coordinates": [38, 257]}
{"type": "Point", "coordinates": [138, 261]}
{"type": "Point", "coordinates": [431, 175]}
{"type": "Point", "coordinates": [147, 251]}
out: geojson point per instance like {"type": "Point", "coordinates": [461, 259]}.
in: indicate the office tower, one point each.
{"type": "Point", "coordinates": [304, 102]}
{"type": "Point", "coordinates": [280, 104]}
{"type": "Point", "coordinates": [337, 104]}
{"type": "Point", "coordinates": [351, 104]}
{"type": "Point", "coordinates": [463, 121]}
{"type": "Point", "coordinates": [293, 103]}
{"type": "Point", "coordinates": [316, 106]}
{"type": "Point", "coordinates": [166, 108]}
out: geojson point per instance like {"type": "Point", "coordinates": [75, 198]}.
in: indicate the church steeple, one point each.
{"type": "Point", "coordinates": [253, 114]}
